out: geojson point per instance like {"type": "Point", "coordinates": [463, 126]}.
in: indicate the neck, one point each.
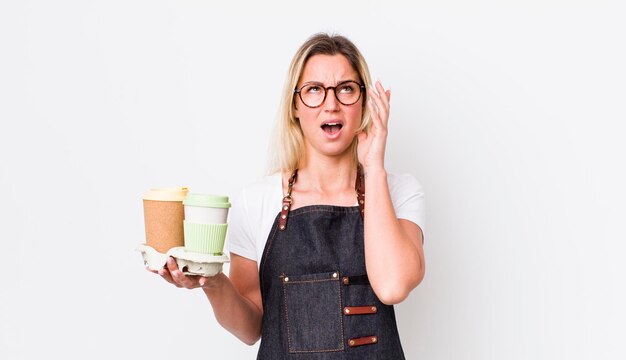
{"type": "Point", "coordinates": [328, 174]}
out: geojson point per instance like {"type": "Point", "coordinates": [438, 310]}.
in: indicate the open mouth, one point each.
{"type": "Point", "coordinates": [332, 128]}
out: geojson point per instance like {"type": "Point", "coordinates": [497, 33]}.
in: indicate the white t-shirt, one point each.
{"type": "Point", "coordinates": [255, 208]}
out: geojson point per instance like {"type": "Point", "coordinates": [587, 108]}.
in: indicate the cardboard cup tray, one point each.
{"type": "Point", "coordinates": [191, 263]}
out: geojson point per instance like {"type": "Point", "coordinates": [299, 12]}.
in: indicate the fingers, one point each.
{"type": "Point", "coordinates": [375, 93]}
{"type": "Point", "coordinates": [165, 274]}
{"type": "Point", "coordinates": [373, 110]}
{"type": "Point", "coordinates": [381, 91]}
{"type": "Point", "coordinates": [180, 279]}
{"type": "Point", "coordinates": [173, 275]}
{"type": "Point", "coordinates": [379, 104]}
{"type": "Point", "coordinates": [171, 264]}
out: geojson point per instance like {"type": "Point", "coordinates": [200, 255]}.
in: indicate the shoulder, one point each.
{"type": "Point", "coordinates": [262, 189]}
{"type": "Point", "coordinates": [260, 200]}
{"type": "Point", "coordinates": [253, 210]}
{"type": "Point", "coordinates": [407, 196]}
{"type": "Point", "coordinates": [403, 184]}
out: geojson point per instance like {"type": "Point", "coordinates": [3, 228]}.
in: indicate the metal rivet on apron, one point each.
{"type": "Point", "coordinates": [286, 279]}
{"type": "Point", "coordinates": [283, 217]}
{"type": "Point", "coordinates": [352, 342]}
{"type": "Point", "coordinates": [374, 339]}
{"type": "Point", "coordinates": [374, 308]}
{"type": "Point", "coordinates": [346, 310]}
{"type": "Point", "coordinates": [361, 201]}
{"type": "Point", "coordinates": [335, 275]}
{"type": "Point", "coordinates": [285, 207]}
{"type": "Point", "coordinates": [282, 227]}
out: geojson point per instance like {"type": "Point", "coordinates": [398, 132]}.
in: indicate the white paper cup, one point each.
{"type": "Point", "coordinates": [206, 215]}
{"type": "Point", "coordinates": [205, 223]}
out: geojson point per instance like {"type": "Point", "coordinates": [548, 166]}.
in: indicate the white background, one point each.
{"type": "Point", "coordinates": [511, 115]}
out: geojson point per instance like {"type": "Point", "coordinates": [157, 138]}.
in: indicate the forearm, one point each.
{"type": "Point", "coordinates": [233, 311]}
{"type": "Point", "coordinates": [393, 257]}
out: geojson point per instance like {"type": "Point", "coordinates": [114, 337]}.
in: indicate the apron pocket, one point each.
{"type": "Point", "coordinates": [313, 312]}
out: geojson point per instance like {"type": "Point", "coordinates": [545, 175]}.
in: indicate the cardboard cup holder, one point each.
{"type": "Point", "coordinates": [191, 263]}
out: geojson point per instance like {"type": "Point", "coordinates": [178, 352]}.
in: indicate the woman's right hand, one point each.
{"type": "Point", "coordinates": [172, 274]}
{"type": "Point", "coordinates": [236, 299]}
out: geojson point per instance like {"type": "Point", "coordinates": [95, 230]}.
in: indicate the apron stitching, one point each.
{"type": "Point", "coordinates": [267, 248]}
{"type": "Point", "coordinates": [349, 210]}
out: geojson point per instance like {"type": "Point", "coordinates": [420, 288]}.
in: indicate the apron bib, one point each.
{"type": "Point", "coordinates": [317, 300]}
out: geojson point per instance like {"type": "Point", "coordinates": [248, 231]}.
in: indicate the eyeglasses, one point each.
{"type": "Point", "coordinates": [314, 94]}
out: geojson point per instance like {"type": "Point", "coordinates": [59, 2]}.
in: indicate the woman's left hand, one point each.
{"type": "Point", "coordinates": [371, 146]}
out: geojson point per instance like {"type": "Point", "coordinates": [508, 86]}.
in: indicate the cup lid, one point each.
{"type": "Point", "coordinates": [166, 194]}
{"type": "Point", "coordinates": [206, 200]}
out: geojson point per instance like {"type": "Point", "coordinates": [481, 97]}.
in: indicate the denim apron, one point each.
{"type": "Point", "coordinates": [317, 300]}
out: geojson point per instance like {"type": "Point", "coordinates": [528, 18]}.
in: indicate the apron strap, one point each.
{"type": "Point", "coordinates": [284, 211]}
{"type": "Point", "coordinates": [359, 186]}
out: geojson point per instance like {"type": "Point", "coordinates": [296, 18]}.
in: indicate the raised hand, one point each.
{"type": "Point", "coordinates": [371, 146]}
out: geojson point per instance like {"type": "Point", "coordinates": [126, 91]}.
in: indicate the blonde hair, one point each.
{"type": "Point", "coordinates": [288, 141]}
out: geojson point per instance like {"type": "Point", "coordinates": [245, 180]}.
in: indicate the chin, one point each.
{"type": "Point", "coordinates": [336, 151]}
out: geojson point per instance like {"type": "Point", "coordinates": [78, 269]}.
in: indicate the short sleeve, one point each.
{"type": "Point", "coordinates": [239, 236]}
{"type": "Point", "coordinates": [408, 200]}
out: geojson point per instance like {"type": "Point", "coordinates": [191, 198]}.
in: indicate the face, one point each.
{"type": "Point", "coordinates": [330, 128]}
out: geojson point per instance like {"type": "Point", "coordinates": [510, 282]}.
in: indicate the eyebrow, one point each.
{"type": "Point", "coordinates": [321, 83]}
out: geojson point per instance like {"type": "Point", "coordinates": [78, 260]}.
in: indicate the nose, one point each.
{"type": "Point", "coordinates": [331, 103]}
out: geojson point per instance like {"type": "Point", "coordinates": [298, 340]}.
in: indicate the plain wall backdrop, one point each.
{"type": "Point", "coordinates": [511, 115]}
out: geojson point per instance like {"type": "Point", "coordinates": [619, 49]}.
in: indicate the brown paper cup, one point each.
{"type": "Point", "coordinates": [163, 216]}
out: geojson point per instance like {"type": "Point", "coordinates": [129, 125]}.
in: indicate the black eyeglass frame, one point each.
{"type": "Point", "coordinates": [326, 88]}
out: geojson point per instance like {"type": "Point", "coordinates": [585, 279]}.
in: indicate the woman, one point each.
{"type": "Point", "coordinates": [315, 265]}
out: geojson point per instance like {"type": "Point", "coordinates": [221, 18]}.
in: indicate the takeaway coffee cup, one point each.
{"type": "Point", "coordinates": [164, 214]}
{"type": "Point", "coordinates": [205, 223]}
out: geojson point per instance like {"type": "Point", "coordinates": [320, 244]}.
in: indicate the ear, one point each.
{"type": "Point", "coordinates": [295, 108]}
